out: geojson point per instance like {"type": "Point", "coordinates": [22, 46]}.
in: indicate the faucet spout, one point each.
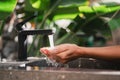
{"type": "Point", "coordinates": [22, 44]}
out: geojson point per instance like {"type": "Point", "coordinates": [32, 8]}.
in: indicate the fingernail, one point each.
{"type": "Point", "coordinates": [45, 51]}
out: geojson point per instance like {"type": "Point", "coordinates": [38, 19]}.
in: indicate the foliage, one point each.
{"type": "Point", "coordinates": [6, 8]}
{"type": "Point", "coordinates": [88, 17]}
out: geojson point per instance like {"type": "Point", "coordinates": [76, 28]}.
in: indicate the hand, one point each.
{"type": "Point", "coordinates": [62, 53]}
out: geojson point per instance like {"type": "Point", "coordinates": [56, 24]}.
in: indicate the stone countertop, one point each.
{"type": "Point", "coordinates": [60, 74]}
{"type": "Point", "coordinates": [34, 69]}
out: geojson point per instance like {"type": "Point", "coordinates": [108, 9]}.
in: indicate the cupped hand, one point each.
{"type": "Point", "coordinates": [62, 53]}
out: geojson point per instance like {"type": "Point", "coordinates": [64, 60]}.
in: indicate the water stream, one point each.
{"type": "Point", "coordinates": [49, 61]}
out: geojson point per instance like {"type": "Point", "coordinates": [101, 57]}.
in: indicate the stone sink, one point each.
{"type": "Point", "coordinates": [80, 69]}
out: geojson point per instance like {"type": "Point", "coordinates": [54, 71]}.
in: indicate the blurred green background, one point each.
{"type": "Point", "coordinates": [82, 22]}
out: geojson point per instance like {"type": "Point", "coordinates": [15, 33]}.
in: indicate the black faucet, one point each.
{"type": "Point", "coordinates": [22, 36]}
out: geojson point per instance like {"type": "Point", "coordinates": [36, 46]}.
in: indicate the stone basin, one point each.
{"type": "Point", "coordinates": [38, 69]}
{"type": "Point", "coordinates": [60, 74]}
{"type": "Point", "coordinates": [86, 63]}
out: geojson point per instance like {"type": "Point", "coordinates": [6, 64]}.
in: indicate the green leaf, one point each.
{"type": "Point", "coordinates": [68, 38]}
{"type": "Point", "coordinates": [72, 12]}
{"type": "Point", "coordinates": [114, 24]}
{"type": "Point", "coordinates": [98, 9]}
{"type": "Point", "coordinates": [6, 7]}
{"type": "Point", "coordinates": [65, 16]}
{"type": "Point", "coordinates": [40, 4]}
{"type": "Point", "coordinates": [73, 3]}
{"type": "Point", "coordinates": [66, 13]}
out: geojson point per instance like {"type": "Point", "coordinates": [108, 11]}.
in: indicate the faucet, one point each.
{"type": "Point", "coordinates": [22, 36]}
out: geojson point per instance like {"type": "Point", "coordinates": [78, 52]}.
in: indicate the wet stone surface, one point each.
{"type": "Point", "coordinates": [38, 69]}
{"type": "Point", "coordinates": [59, 74]}
{"type": "Point", "coordinates": [86, 63]}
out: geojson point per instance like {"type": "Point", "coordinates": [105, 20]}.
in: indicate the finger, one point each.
{"type": "Point", "coordinates": [58, 49]}
{"type": "Point", "coordinates": [61, 57]}
{"type": "Point", "coordinates": [67, 56]}
{"type": "Point", "coordinates": [45, 51]}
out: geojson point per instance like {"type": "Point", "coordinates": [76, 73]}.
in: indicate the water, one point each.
{"type": "Point", "coordinates": [49, 61]}
{"type": "Point", "coordinates": [51, 41]}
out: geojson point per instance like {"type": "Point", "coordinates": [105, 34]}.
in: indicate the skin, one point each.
{"type": "Point", "coordinates": [66, 52]}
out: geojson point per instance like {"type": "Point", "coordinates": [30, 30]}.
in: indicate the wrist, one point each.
{"type": "Point", "coordinates": [82, 51]}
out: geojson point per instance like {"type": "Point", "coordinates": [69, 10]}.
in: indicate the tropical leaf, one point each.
{"type": "Point", "coordinates": [114, 24]}
{"type": "Point", "coordinates": [40, 4]}
{"type": "Point", "coordinates": [6, 7]}
{"type": "Point", "coordinates": [98, 9]}
{"type": "Point", "coordinates": [36, 5]}
{"type": "Point", "coordinates": [73, 3]}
